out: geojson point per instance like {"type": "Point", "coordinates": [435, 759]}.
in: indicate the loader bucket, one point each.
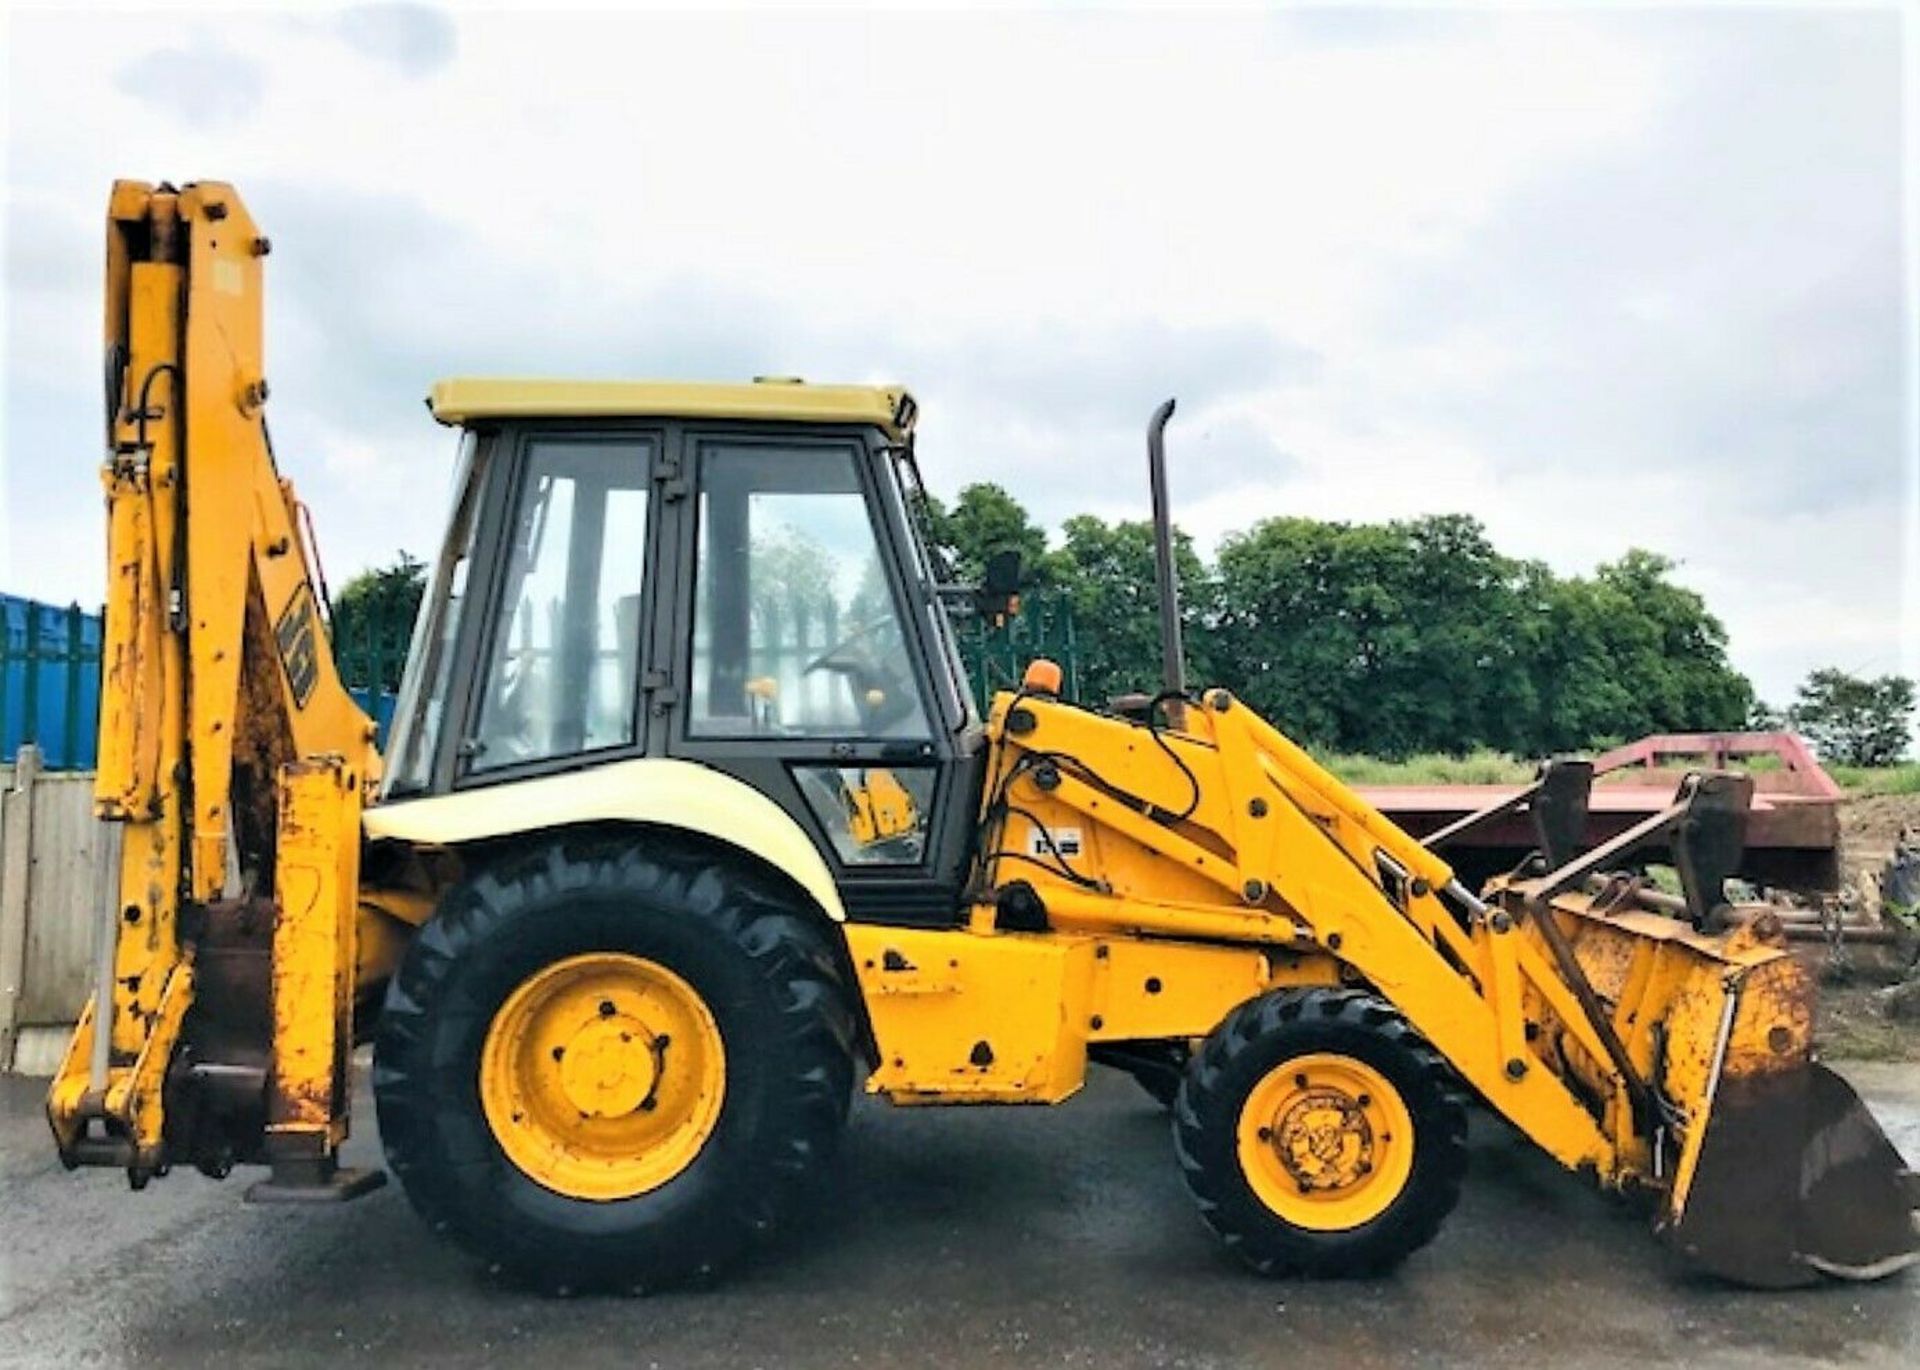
{"type": "Point", "coordinates": [1781, 1174]}
{"type": "Point", "coordinates": [1771, 1171]}
{"type": "Point", "coordinates": [1795, 1180]}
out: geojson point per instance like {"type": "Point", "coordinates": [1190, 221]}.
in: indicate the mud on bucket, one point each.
{"type": "Point", "coordinates": [1794, 1180]}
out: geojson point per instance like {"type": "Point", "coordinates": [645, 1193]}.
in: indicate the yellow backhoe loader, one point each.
{"type": "Point", "coordinates": [687, 825]}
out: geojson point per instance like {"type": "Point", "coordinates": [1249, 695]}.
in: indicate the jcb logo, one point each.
{"type": "Point", "coordinates": [299, 652]}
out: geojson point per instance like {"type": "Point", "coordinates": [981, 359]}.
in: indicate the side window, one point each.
{"type": "Point", "coordinates": [874, 815]}
{"type": "Point", "coordinates": [562, 667]}
{"type": "Point", "coordinates": [796, 632]}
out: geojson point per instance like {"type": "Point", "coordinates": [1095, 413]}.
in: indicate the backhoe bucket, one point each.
{"type": "Point", "coordinates": [1693, 1038]}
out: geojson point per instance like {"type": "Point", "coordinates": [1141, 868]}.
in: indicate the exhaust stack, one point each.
{"type": "Point", "coordinates": [1173, 663]}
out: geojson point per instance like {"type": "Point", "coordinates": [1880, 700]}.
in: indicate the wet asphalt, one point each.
{"type": "Point", "coordinates": [984, 1237]}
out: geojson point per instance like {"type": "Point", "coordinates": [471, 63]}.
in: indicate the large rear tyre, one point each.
{"type": "Point", "coordinates": [1320, 1134]}
{"type": "Point", "coordinates": [603, 1067]}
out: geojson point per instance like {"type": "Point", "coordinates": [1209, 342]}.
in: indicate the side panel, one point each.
{"type": "Point", "coordinates": [655, 791]}
{"type": "Point", "coordinates": [928, 994]}
{"type": "Point", "coordinates": [965, 1016]}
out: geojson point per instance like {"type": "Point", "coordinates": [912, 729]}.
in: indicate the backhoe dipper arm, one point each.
{"type": "Point", "coordinates": [229, 750]}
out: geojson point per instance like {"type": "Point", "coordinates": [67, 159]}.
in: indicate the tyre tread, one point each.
{"type": "Point", "coordinates": [787, 954]}
{"type": "Point", "coordinates": [1213, 1093]}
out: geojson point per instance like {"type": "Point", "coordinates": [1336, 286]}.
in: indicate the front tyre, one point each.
{"type": "Point", "coordinates": [1320, 1134]}
{"type": "Point", "coordinates": [601, 1066]}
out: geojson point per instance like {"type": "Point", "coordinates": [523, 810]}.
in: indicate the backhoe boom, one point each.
{"type": "Point", "coordinates": [230, 753]}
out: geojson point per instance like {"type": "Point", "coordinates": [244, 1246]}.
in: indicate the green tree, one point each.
{"type": "Point", "coordinates": [1419, 636]}
{"type": "Point", "coordinates": [1854, 721]}
{"type": "Point", "coordinates": [1386, 638]}
{"type": "Point", "coordinates": [373, 621]}
{"type": "Point", "coordinates": [1106, 572]}
{"type": "Point", "coordinates": [985, 519]}
{"type": "Point", "coordinates": [1764, 718]}
{"type": "Point", "coordinates": [1627, 652]}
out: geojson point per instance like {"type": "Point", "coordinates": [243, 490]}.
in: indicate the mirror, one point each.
{"type": "Point", "coordinates": [1003, 573]}
{"type": "Point", "coordinates": [999, 593]}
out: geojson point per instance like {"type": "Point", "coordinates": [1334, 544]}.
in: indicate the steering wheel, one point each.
{"type": "Point", "coordinates": [878, 693]}
{"type": "Point", "coordinates": [826, 660]}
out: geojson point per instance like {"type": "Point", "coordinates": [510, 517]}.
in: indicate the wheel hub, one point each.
{"type": "Point", "coordinates": [602, 1076]}
{"type": "Point", "coordinates": [611, 1067]}
{"type": "Point", "coordinates": [1326, 1141]}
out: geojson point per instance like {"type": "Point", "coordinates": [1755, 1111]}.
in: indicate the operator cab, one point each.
{"type": "Point", "coordinates": [726, 574]}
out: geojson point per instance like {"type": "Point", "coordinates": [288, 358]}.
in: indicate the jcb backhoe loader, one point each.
{"type": "Point", "coordinates": [687, 825]}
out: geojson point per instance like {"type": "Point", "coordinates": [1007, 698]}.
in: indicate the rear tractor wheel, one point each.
{"type": "Point", "coordinates": [1320, 1134]}
{"type": "Point", "coordinates": [601, 1067]}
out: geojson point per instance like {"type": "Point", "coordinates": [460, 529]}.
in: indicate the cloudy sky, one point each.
{"type": "Point", "coordinates": [1603, 277]}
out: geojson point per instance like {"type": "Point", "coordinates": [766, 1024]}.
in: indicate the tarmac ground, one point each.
{"type": "Point", "coordinates": [956, 1237]}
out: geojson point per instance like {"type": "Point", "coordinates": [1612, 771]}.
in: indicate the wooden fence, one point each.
{"type": "Point", "coordinates": [57, 864]}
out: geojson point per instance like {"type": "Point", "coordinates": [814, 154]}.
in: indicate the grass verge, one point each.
{"type": "Point", "coordinates": [1485, 767]}
{"type": "Point", "coordinates": [1481, 767]}
{"type": "Point", "coordinates": [1902, 779]}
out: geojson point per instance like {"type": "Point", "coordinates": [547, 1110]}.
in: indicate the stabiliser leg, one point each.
{"type": "Point", "coordinates": [317, 880]}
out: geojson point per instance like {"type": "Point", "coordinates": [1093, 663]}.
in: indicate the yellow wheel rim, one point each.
{"type": "Point", "coordinates": [1326, 1142]}
{"type": "Point", "coordinates": [602, 1076]}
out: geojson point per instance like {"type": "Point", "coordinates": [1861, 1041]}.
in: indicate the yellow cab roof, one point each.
{"type": "Point", "coordinates": [467, 400]}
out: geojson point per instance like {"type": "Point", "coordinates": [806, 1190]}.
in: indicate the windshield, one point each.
{"type": "Point", "coordinates": [423, 687]}
{"type": "Point", "coordinates": [905, 495]}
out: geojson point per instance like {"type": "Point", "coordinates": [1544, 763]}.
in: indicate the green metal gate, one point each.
{"type": "Point", "coordinates": [996, 656]}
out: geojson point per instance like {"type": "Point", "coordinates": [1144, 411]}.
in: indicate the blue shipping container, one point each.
{"type": "Point", "coordinates": [49, 682]}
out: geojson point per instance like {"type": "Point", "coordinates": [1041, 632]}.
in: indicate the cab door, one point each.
{"type": "Point", "coordinates": [801, 664]}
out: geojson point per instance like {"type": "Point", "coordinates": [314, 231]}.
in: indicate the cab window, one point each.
{"type": "Point", "coordinates": [560, 673]}
{"type": "Point", "coordinates": [797, 631]}
{"type": "Point", "coordinates": [873, 815]}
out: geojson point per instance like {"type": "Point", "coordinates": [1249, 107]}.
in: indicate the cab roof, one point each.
{"type": "Point", "coordinates": [778, 399]}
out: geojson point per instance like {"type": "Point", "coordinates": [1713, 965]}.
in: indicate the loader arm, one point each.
{"type": "Point", "coordinates": [1652, 1051]}
{"type": "Point", "coordinates": [230, 753]}
{"type": "Point", "coordinates": [1250, 840]}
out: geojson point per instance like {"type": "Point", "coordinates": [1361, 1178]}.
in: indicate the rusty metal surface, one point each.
{"type": "Point", "coordinates": [216, 1086]}
{"type": "Point", "coordinates": [1856, 1195]}
{"type": "Point", "coordinates": [1781, 1176]}
{"type": "Point", "coordinates": [1739, 1222]}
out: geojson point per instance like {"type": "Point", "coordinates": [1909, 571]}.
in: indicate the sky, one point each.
{"type": "Point", "coordinates": [1603, 277]}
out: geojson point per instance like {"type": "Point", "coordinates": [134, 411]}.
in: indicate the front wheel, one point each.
{"type": "Point", "coordinates": [1320, 1134]}
{"type": "Point", "coordinates": [605, 1067]}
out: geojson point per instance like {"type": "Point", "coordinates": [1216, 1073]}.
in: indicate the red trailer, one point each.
{"type": "Point", "coordinates": [1793, 827]}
